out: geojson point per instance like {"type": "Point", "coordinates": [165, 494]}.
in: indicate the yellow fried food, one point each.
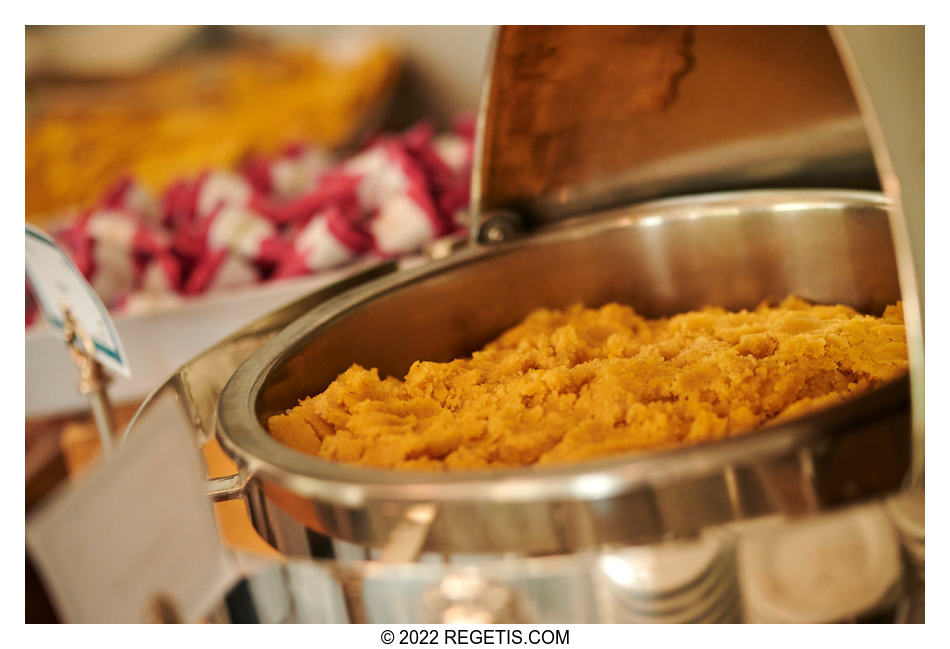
{"type": "Point", "coordinates": [568, 385]}
{"type": "Point", "coordinates": [207, 112]}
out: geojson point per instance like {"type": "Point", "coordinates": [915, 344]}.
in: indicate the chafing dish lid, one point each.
{"type": "Point", "coordinates": [579, 118]}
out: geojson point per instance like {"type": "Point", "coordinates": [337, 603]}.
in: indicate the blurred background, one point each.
{"type": "Point", "coordinates": [207, 95]}
{"type": "Point", "coordinates": [201, 176]}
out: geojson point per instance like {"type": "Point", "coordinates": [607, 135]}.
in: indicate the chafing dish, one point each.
{"type": "Point", "coordinates": [582, 133]}
{"type": "Point", "coordinates": [665, 257]}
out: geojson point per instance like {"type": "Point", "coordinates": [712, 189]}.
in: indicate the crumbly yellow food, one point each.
{"type": "Point", "coordinates": [568, 385]}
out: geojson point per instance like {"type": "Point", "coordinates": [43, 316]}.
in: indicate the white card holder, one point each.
{"type": "Point", "coordinates": [137, 533]}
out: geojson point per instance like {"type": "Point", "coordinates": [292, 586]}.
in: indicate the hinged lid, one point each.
{"type": "Point", "coordinates": [579, 118]}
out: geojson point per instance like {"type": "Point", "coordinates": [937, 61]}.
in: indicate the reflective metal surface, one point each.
{"type": "Point", "coordinates": [678, 582]}
{"type": "Point", "coordinates": [837, 567]}
{"type": "Point", "coordinates": [578, 118]}
{"type": "Point", "coordinates": [886, 68]}
{"type": "Point", "coordinates": [550, 590]}
{"type": "Point", "coordinates": [733, 250]}
{"type": "Point", "coordinates": [198, 383]}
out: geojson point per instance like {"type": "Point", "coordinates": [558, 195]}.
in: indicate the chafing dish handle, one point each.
{"type": "Point", "coordinates": [229, 487]}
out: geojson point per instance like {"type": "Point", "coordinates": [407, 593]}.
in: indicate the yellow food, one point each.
{"type": "Point", "coordinates": [568, 385]}
{"type": "Point", "coordinates": [208, 112]}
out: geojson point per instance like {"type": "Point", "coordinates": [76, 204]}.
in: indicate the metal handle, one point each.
{"type": "Point", "coordinates": [407, 538]}
{"type": "Point", "coordinates": [229, 487]}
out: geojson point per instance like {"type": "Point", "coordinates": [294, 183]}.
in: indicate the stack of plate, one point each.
{"type": "Point", "coordinates": [838, 567]}
{"type": "Point", "coordinates": [682, 582]}
{"type": "Point", "coordinates": [906, 510]}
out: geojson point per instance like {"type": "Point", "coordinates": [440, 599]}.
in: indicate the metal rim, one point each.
{"type": "Point", "coordinates": [260, 455]}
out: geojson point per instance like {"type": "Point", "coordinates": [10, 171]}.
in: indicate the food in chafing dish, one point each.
{"type": "Point", "coordinates": [582, 383]}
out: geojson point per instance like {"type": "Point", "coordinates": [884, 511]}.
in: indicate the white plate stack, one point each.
{"type": "Point", "coordinates": [832, 568]}
{"type": "Point", "coordinates": [671, 583]}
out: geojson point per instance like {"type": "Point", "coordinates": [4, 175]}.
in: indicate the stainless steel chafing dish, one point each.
{"type": "Point", "coordinates": [662, 258]}
{"type": "Point", "coordinates": [569, 148]}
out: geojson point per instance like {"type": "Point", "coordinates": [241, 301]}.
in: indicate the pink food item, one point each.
{"type": "Point", "coordinates": [106, 251]}
{"type": "Point", "coordinates": [333, 189]}
{"type": "Point", "coordinates": [446, 161]}
{"type": "Point", "coordinates": [219, 269]}
{"type": "Point", "coordinates": [127, 195]}
{"type": "Point", "coordinates": [296, 170]}
{"type": "Point", "coordinates": [239, 230]}
{"type": "Point", "coordinates": [160, 274]}
{"type": "Point", "coordinates": [328, 240]}
{"type": "Point", "coordinates": [293, 213]}
{"type": "Point", "coordinates": [220, 189]}
{"type": "Point", "coordinates": [188, 200]}
{"type": "Point", "coordinates": [394, 191]}
{"type": "Point", "coordinates": [293, 172]}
